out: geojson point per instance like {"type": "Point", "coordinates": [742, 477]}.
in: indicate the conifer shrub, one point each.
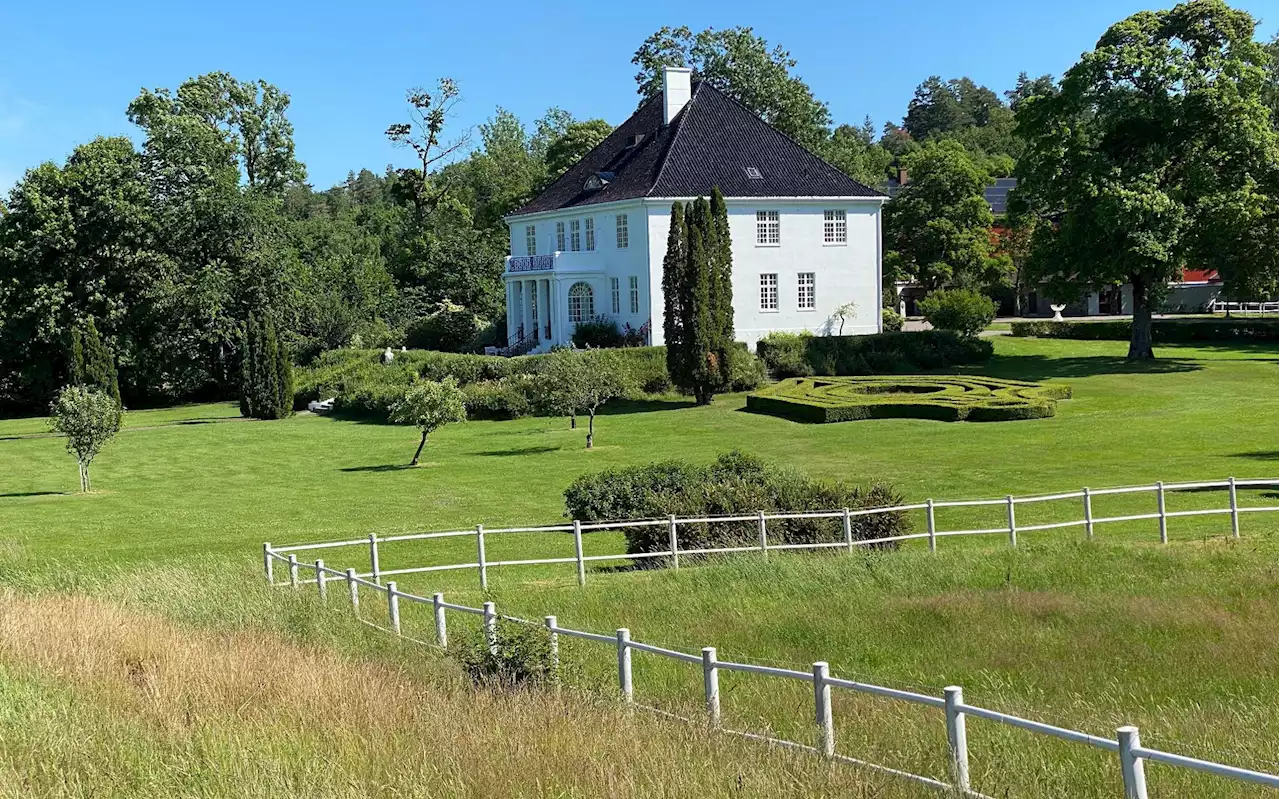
{"type": "Point", "coordinates": [266, 372]}
{"type": "Point", "coordinates": [735, 484]}
{"type": "Point", "coordinates": [93, 365]}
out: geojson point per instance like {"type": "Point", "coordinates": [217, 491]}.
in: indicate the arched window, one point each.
{"type": "Point", "coordinates": [582, 304]}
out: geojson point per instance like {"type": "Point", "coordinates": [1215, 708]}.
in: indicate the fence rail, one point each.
{"type": "Point", "coordinates": [1132, 755]}
{"type": "Point", "coordinates": [1246, 307]}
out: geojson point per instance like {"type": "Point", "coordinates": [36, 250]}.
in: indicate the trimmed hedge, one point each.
{"type": "Point", "coordinates": [945, 398]}
{"type": "Point", "coordinates": [736, 484]}
{"type": "Point", "coordinates": [495, 387]}
{"type": "Point", "coordinates": [802, 355]}
{"type": "Point", "coordinates": [1163, 331]}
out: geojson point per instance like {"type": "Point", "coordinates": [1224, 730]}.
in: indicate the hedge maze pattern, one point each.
{"type": "Point", "coordinates": [947, 398]}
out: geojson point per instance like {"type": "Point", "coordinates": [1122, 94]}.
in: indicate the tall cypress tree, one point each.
{"type": "Point", "coordinates": [266, 374]}
{"type": "Point", "coordinates": [722, 282]}
{"type": "Point", "coordinates": [92, 363]}
{"type": "Point", "coordinates": [673, 291]}
{"type": "Point", "coordinates": [698, 320]}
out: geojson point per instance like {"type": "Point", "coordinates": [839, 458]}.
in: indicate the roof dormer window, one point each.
{"type": "Point", "coordinates": [753, 173]}
{"type": "Point", "coordinates": [598, 181]}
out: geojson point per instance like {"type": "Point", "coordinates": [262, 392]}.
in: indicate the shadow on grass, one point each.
{"type": "Point", "coordinates": [622, 406]}
{"type": "Point", "coordinates": [1260, 455]}
{"type": "Point", "coordinates": [34, 494]}
{"type": "Point", "coordinates": [386, 467]}
{"type": "Point", "coordinates": [506, 453]}
{"type": "Point", "coordinates": [1042, 367]}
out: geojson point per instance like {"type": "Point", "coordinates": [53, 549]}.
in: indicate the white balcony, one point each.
{"type": "Point", "coordinates": [555, 262]}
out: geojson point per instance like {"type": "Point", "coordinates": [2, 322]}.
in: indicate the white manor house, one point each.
{"type": "Point", "coordinates": [806, 237]}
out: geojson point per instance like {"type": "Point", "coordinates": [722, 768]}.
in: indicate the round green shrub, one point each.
{"type": "Point", "coordinates": [891, 320]}
{"type": "Point", "coordinates": [962, 311]}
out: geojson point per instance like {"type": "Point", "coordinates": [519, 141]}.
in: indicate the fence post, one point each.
{"type": "Point", "coordinates": [374, 567]}
{"type": "Point", "coordinates": [822, 707]}
{"type": "Point", "coordinates": [675, 543]}
{"type": "Point", "coordinates": [1013, 525]}
{"type": "Point", "coordinates": [1088, 514]}
{"type": "Point", "coordinates": [267, 564]}
{"type": "Point", "coordinates": [293, 571]}
{"type": "Point", "coordinates": [956, 738]}
{"type": "Point", "coordinates": [393, 606]}
{"type": "Point", "coordinates": [1135, 778]}
{"type": "Point", "coordinates": [624, 665]}
{"type": "Point", "coordinates": [711, 685]}
{"type": "Point", "coordinates": [353, 591]}
{"type": "Point", "coordinates": [848, 531]}
{"type": "Point", "coordinates": [764, 536]}
{"type": "Point", "coordinates": [553, 648]}
{"type": "Point", "coordinates": [484, 568]}
{"type": "Point", "coordinates": [322, 587]}
{"type": "Point", "coordinates": [577, 552]}
{"type": "Point", "coordinates": [442, 634]}
{"type": "Point", "coordinates": [1235, 507]}
{"type": "Point", "coordinates": [1164, 522]}
{"type": "Point", "coordinates": [491, 627]}
{"type": "Point", "coordinates": [932, 527]}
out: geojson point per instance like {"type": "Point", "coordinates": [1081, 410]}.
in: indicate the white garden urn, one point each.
{"type": "Point", "coordinates": [1057, 312]}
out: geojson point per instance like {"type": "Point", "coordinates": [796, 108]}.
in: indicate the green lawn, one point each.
{"type": "Point", "coordinates": [177, 490]}
{"type": "Point", "coordinates": [1180, 640]}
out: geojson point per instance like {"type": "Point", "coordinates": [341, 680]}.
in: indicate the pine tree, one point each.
{"type": "Point", "coordinates": [92, 363]}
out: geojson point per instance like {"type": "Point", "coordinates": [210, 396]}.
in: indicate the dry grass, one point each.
{"type": "Point", "coordinates": [97, 699]}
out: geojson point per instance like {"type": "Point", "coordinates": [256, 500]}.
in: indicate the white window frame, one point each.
{"type": "Point", "coordinates": [835, 227]}
{"type": "Point", "coordinates": [590, 226]}
{"type": "Point", "coordinates": [623, 235]}
{"type": "Point", "coordinates": [560, 237]}
{"type": "Point", "coordinates": [768, 229]}
{"type": "Point", "coordinates": [581, 302]}
{"type": "Point", "coordinates": [575, 235]}
{"type": "Point", "coordinates": [530, 240]}
{"type": "Point", "coordinates": [615, 294]}
{"type": "Point", "coordinates": [806, 291]}
{"type": "Point", "coordinates": [769, 292]}
{"type": "Point", "coordinates": [634, 286]}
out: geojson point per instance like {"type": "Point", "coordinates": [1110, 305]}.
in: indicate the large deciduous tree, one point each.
{"type": "Point", "coordinates": [938, 227]}
{"type": "Point", "coordinates": [742, 65]}
{"type": "Point", "coordinates": [578, 139]}
{"type": "Point", "coordinates": [698, 297]}
{"type": "Point", "coordinates": [1159, 153]}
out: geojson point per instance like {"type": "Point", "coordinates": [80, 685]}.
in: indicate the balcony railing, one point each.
{"type": "Point", "coordinates": [531, 263]}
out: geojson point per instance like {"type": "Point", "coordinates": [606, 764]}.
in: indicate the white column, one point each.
{"type": "Point", "coordinates": [548, 319]}
{"type": "Point", "coordinates": [511, 313]}
{"type": "Point", "coordinates": [529, 288]}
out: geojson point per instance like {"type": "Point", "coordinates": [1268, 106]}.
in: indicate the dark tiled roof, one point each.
{"type": "Point", "coordinates": [711, 142]}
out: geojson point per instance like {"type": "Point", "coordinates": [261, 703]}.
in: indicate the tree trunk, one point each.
{"type": "Point", "coordinates": [1140, 338]}
{"type": "Point", "coordinates": [573, 421]}
{"type": "Point", "coordinates": [591, 429]}
{"type": "Point", "coordinates": [84, 477]}
{"type": "Point", "coordinates": [421, 444]}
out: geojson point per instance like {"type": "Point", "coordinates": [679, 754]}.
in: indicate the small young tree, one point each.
{"type": "Point", "coordinates": [580, 382]}
{"type": "Point", "coordinates": [88, 417]}
{"type": "Point", "coordinates": [429, 405]}
{"type": "Point", "coordinates": [845, 313]}
{"type": "Point", "coordinates": [92, 363]}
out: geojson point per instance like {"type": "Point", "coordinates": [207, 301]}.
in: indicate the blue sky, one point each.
{"type": "Point", "coordinates": [69, 69]}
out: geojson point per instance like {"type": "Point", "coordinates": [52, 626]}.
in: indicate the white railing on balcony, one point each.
{"type": "Point", "coordinates": [531, 263]}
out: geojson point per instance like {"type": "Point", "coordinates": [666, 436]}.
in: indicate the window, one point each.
{"type": "Point", "coordinates": [805, 295]}
{"type": "Point", "coordinates": [575, 235]}
{"type": "Point", "coordinates": [591, 234]}
{"type": "Point", "coordinates": [835, 229]}
{"type": "Point", "coordinates": [753, 173]}
{"type": "Point", "coordinates": [622, 231]}
{"type": "Point", "coordinates": [615, 294]}
{"type": "Point", "coordinates": [560, 237]}
{"type": "Point", "coordinates": [769, 292]}
{"type": "Point", "coordinates": [635, 294]}
{"type": "Point", "coordinates": [767, 228]}
{"type": "Point", "coordinates": [581, 303]}
{"type": "Point", "coordinates": [530, 240]}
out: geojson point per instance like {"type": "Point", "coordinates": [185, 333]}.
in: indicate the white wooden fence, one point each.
{"type": "Point", "coordinates": [1245, 308]}
{"type": "Point", "coordinates": [1126, 744]}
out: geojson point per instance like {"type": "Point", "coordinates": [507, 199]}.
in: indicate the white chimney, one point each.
{"type": "Point", "coordinates": [675, 91]}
